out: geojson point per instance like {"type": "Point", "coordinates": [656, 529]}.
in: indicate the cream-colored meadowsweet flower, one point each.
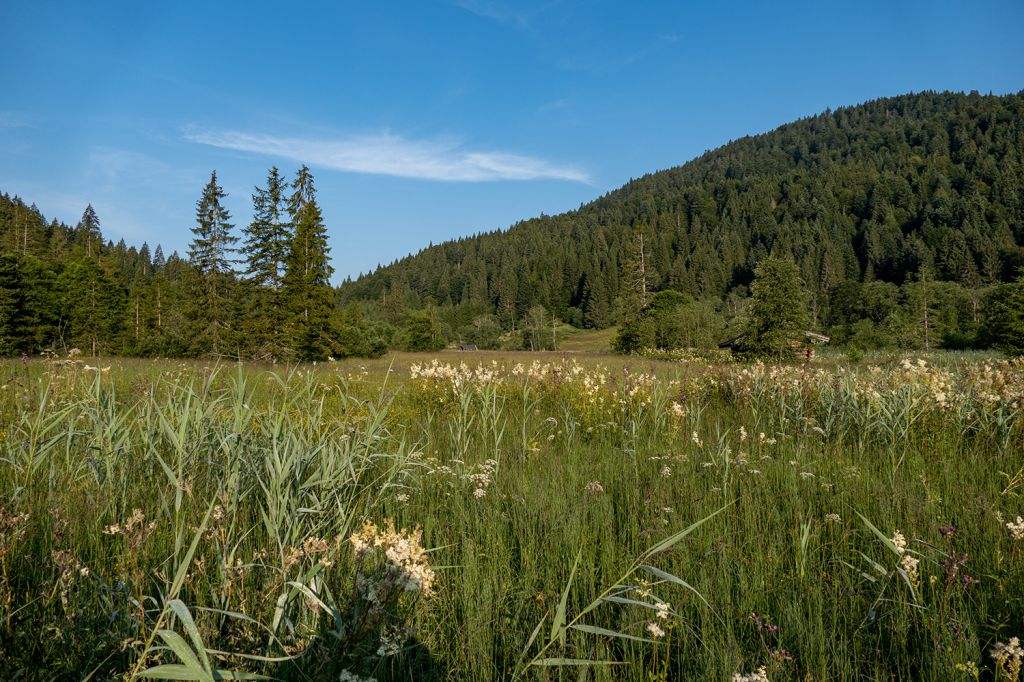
{"type": "Point", "coordinates": [664, 609]}
{"type": "Point", "coordinates": [594, 488]}
{"type": "Point", "coordinates": [1016, 528]}
{"type": "Point", "coordinates": [899, 541]}
{"type": "Point", "coordinates": [1010, 657]}
{"type": "Point", "coordinates": [655, 630]}
{"type": "Point", "coordinates": [833, 518]}
{"type": "Point", "coordinates": [759, 675]}
{"type": "Point", "coordinates": [909, 564]}
{"type": "Point", "coordinates": [407, 566]}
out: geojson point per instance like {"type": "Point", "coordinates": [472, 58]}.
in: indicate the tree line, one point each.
{"type": "Point", "coordinates": [904, 217]}
{"type": "Point", "coordinates": [265, 294]}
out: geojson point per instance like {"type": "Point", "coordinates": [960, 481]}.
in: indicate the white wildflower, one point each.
{"type": "Point", "coordinates": [1009, 656]}
{"type": "Point", "coordinates": [909, 564]}
{"type": "Point", "coordinates": [1016, 528]}
{"type": "Point", "coordinates": [655, 630]}
{"type": "Point", "coordinates": [759, 675]}
{"type": "Point", "coordinates": [899, 541]}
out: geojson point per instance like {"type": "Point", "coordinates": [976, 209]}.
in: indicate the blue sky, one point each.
{"type": "Point", "coordinates": [428, 120]}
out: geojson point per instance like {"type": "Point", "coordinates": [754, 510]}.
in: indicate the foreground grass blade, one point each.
{"type": "Point", "coordinates": [558, 623]}
{"type": "Point", "coordinates": [674, 539]}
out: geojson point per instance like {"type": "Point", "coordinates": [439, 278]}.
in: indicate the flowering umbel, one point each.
{"type": "Point", "coordinates": [1009, 657]}
{"type": "Point", "coordinates": [406, 565]}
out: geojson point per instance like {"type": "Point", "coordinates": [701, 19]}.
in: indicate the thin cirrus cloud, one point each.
{"type": "Point", "coordinates": [389, 154]}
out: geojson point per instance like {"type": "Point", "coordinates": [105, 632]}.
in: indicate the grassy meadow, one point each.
{"type": "Point", "coordinates": [495, 516]}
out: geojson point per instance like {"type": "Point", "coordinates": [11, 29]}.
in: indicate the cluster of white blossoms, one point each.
{"type": "Point", "coordinates": [594, 488]}
{"type": "Point", "coordinates": [759, 675]}
{"type": "Point", "coordinates": [1016, 528]}
{"type": "Point", "coordinates": [655, 630]}
{"type": "Point", "coordinates": [408, 568]}
{"type": "Point", "coordinates": [1010, 657]}
{"type": "Point", "coordinates": [456, 375]}
{"type": "Point", "coordinates": [478, 477]}
{"type": "Point", "coordinates": [908, 562]}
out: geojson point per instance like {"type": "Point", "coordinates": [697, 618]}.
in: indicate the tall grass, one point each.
{"type": "Point", "coordinates": [580, 522]}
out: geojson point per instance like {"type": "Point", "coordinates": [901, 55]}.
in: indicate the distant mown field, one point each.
{"type": "Point", "coordinates": [496, 515]}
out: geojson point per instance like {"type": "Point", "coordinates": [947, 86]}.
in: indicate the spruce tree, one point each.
{"type": "Point", "coordinates": [266, 251]}
{"type": "Point", "coordinates": [210, 254]}
{"type": "Point", "coordinates": [213, 244]}
{"type": "Point", "coordinates": [87, 232]}
{"type": "Point", "coordinates": [307, 287]}
{"type": "Point", "coordinates": [266, 237]}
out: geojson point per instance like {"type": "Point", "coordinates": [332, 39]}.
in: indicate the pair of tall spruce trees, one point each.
{"type": "Point", "coordinates": [286, 297]}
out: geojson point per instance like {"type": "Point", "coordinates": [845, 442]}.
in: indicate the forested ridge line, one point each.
{"type": "Point", "coordinates": [904, 215]}
{"type": "Point", "coordinates": [920, 187]}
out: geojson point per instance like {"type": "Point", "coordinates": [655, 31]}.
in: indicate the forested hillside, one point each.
{"type": "Point", "coordinates": [891, 209]}
{"type": "Point", "coordinates": [903, 215]}
{"type": "Point", "coordinates": [269, 297]}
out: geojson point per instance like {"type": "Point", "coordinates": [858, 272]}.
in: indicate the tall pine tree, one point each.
{"type": "Point", "coordinates": [307, 286]}
{"type": "Point", "coordinates": [87, 232]}
{"type": "Point", "coordinates": [210, 253]}
{"type": "Point", "coordinates": [213, 244]}
{"type": "Point", "coordinates": [266, 237]}
{"type": "Point", "coordinates": [266, 251]}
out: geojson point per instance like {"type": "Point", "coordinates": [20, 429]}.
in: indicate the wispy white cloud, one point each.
{"type": "Point", "coordinates": [390, 154]}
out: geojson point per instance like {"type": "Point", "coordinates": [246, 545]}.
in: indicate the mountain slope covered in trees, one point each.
{"type": "Point", "coordinates": [904, 217]}
{"type": "Point", "coordinates": [875, 200]}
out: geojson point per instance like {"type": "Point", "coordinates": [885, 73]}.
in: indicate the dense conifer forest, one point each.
{"type": "Point", "coordinates": [905, 217]}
